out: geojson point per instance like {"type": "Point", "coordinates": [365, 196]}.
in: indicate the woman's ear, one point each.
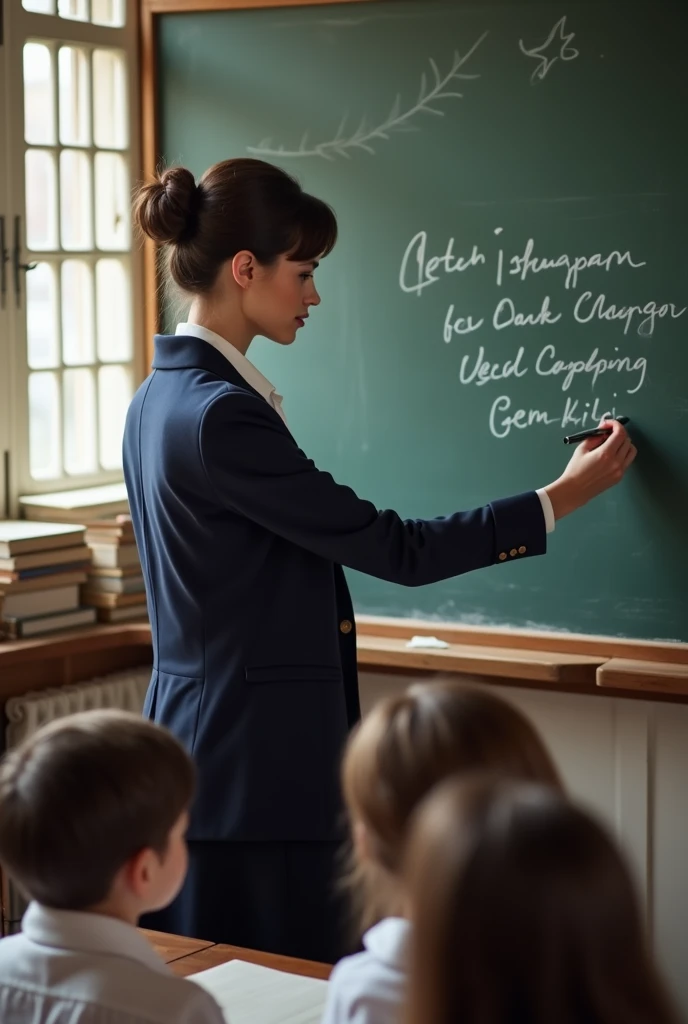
{"type": "Point", "coordinates": [243, 268]}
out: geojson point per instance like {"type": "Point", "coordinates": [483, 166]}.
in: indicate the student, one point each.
{"type": "Point", "coordinates": [242, 540]}
{"type": "Point", "coordinates": [404, 747]}
{"type": "Point", "coordinates": [93, 810]}
{"type": "Point", "coordinates": [523, 910]}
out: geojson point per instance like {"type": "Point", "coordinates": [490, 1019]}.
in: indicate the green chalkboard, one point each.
{"type": "Point", "coordinates": [511, 182]}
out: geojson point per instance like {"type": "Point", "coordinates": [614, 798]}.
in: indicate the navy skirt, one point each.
{"type": "Point", "coordinates": [274, 897]}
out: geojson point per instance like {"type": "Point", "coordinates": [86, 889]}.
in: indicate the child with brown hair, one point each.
{"type": "Point", "coordinates": [93, 811]}
{"type": "Point", "coordinates": [523, 909]}
{"type": "Point", "coordinates": [401, 750]}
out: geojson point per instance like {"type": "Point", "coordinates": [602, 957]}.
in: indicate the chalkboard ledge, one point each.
{"type": "Point", "coordinates": [646, 677]}
{"type": "Point", "coordinates": [555, 661]}
{"type": "Point", "coordinates": [557, 668]}
{"type": "Point", "coordinates": [560, 661]}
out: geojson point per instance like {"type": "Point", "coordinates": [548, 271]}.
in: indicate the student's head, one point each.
{"type": "Point", "coordinates": [404, 747]}
{"type": "Point", "coordinates": [523, 910]}
{"type": "Point", "coordinates": [245, 239]}
{"type": "Point", "coordinates": [93, 809]}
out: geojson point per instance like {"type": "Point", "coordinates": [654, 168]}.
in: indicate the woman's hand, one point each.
{"type": "Point", "coordinates": [597, 464]}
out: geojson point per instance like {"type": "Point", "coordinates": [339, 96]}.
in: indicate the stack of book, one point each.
{"type": "Point", "coordinates": [82, 506]}
{"type": "Point", "coordinates": [42, 566]}
{"type": "Point", "coordinates": [115, 580]}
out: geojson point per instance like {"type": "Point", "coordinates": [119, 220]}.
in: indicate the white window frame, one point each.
{"type": "Point", "coordinates": [21, 25]}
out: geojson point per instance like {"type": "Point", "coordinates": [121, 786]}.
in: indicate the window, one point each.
{"type": "Point", "coordinates": [68, 291]}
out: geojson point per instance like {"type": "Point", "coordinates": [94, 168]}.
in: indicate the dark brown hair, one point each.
{"type": "Point", "coordinates": [237, 204]}
{"type": "Point", "coordinates": [404, 747]}
{"type": "Point", "coordinates": [523, 911]}
{"type": "Point", "coordinates": [82, 796]}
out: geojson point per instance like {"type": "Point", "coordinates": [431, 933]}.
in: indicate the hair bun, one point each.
{"type": "Point", "coordinates": [166, 209]}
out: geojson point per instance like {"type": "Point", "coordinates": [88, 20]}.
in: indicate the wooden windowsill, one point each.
{"type": "Point", "coordinates": [76, 641]}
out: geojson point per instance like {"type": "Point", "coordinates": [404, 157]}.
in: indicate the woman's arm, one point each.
{"type": "Point", "coordinates": [256, 469]}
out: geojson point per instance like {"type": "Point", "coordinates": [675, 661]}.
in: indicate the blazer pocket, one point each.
{"type": "Point", "coordinates": [293, 673]}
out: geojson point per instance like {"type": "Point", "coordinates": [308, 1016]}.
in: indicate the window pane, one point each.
{"type": "Point", "coordinates": [44, 426]}
{"type": "Point", "coordinates": [39, 6]}
{"type": "Point", "coordinates": [79, 421]}
{"type": "Point", "coordinates": [76, 10]}
{"type": "Point", "coordinates": [75, 200]}
{"type": "Point", "coordinates": [73, 88]}
{"type": "Point", "coordinates": [108, 12]}
{"type": "Point", "coordinates": [39, 110]}
{"type": "Point", "coordinates": [113, 308]}
{"type": "Point", "coordinates": [77, 313]}
{"type": "Point", "coordinates": [41, 317]}
{"type": "Point", "coordinates": [112, 202]}
{"type": "Point", "coordinates": [114, 395]}
{"type": "Point", "coordinates": [41, 200]}
{"type": "Point", "coordinates": [110, 126]}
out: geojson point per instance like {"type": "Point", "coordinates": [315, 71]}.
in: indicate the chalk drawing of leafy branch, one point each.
{"type": "Point", "coordinates": [396, 120]}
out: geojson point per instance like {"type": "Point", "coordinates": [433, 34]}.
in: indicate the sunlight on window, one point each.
{"type": "Point", "coordinates": [39, 120]}
{"type": "Point", "coordinates": [44, 426]}
{"type": "Point", "coordinates": [42, 333]}
{"type": "Point", "coordinates": [79, 422]}
{"type": "Point", "coordinates": [73, 79]}
{"type": "Point", "coordinates": [115, 392]}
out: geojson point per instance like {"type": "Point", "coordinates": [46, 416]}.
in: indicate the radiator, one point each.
{"type": "Point", "coordinates": [26, 714]}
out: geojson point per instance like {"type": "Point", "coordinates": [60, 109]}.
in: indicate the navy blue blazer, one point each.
{"type": "Point", "coordinates": [242, 541]}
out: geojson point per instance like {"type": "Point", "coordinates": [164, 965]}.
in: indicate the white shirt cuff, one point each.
{"type": "Point", "coordinates": [547, 510]}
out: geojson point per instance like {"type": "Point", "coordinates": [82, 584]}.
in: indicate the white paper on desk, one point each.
{"type": "Point", "coordinates": [250, 994]}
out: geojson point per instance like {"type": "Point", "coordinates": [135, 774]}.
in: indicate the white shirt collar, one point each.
{"type": "Point", "coordinates": [239, 361]}
{"type": "Point", "coordinates": [388, 941]}
{"type": "Point", "coordinates": [88, 933]}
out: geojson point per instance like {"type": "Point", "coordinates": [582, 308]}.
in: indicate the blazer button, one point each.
{"type": "Point", "coordinates": [513, 552]}
{"type": "Point", "coordinates": [502, 556]}
{"type": "Point", "coordinates": [345, 626]}
{"type": "Point", "coordinates": [522, 549]}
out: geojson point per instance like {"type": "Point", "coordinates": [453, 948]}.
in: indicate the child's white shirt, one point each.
{"type": "Point", "coordinates": [370, 987]}
{"type": "Point", "coordinates": [84, 968]}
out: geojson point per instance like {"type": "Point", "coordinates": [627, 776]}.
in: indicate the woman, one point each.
{"type": "Point", "coordinates": [242, 541]}
{"type": "Point", "coordinates": [523, 912]}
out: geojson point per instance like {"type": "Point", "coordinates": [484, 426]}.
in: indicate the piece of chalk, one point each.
{"type": "Point", "coordinates": [426, 641]}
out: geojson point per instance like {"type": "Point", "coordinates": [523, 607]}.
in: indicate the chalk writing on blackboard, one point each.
{"type": "Point", "coordinates": [546, 323]}
{"type": "Point", "coordinates": [560, 42]}
{"type": "Point", "coordinates": [430, 93]}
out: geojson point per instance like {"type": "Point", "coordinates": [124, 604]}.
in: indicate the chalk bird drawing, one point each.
{"type": "Point", "coordinates": [560, 40]}
{"type": "Point", "coordinates": [362, 139]}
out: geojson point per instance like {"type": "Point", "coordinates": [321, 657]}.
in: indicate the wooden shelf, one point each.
{"type": "Point", "coordinates": [61, 659]}
{"type": "Point", "coordinates": [583, 664]}
{"type": "Point", "coordinates": [645, 676]}
{"type": "Point", "coordinates": [76, 641]}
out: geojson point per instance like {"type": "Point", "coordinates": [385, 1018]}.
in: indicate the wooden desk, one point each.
{"type": "Point", "coordinates": [174, 947]}
{"type": "Point", "coordinates": [188, 956]}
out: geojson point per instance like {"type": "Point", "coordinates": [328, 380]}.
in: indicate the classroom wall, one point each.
{"type": "Point", "coordinates": [628, 761]}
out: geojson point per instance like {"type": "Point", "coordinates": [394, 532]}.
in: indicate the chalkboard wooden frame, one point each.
{"type": "Point", "coordinates": [635, 658]}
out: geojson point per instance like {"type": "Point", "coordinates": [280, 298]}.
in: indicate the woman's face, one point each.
{"type": "Point", "coordinates": [279, 299]}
